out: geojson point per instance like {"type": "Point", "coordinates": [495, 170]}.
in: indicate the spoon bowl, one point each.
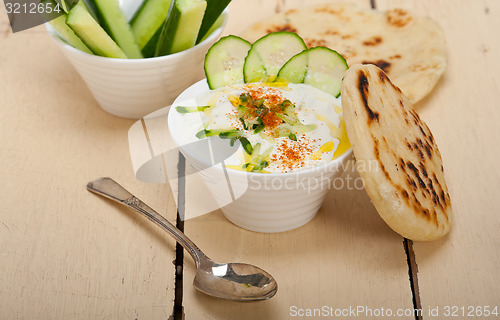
{"type": "Point", "coordinates": [230, 281]}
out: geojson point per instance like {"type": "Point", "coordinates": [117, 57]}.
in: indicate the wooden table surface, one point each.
{"type": "Point", "coordinates": [68, 254]}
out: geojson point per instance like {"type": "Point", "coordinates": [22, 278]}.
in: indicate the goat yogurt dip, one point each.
{"type": "Point", "coordinates": [274, 127]}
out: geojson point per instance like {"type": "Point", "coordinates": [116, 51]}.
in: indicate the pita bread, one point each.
{"type": "Point", "coordinates": [408, 187]}
{"type": "Point", "coordinates": [410, 49]}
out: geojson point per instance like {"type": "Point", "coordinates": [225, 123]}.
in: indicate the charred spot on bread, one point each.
{"type": "Point", "coordinates": [374, 41]}
{"type": "Point", "coordinates": [398, 17]}
{"type": "Point", "coordinates": [284, 27]}
{"type": "Point", "coordinates": [363, 90]}
{"type": "Point", "coordinates": [382, 64]}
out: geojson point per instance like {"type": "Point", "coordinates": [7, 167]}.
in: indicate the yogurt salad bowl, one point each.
{"type": "Point", "coordinates": [281, 185]}
{"type": "Point", "coordinates": [267, 149]}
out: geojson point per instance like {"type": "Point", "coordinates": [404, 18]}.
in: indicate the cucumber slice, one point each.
{"type": "Point", "coordinates": [212, 13]}
{"type": "Point", "coordinates": [148, 20]}
{"type": "Point", "coordinates": [253, 68]}
{"type": "Point", "coordinates": [295, 69]}
{"type": "Point", "coordinates": [92, 34]}
{"type": "Point", "coordinates": [181, 28]}
{"type": "Point", "coordinates": [58, 22]}
{"type": "Point", "coordinates": [269, 54]}
{"type": "Point", "coordinates": [113, 20]}
{"type": "Point", "coordinates": [224, 61]}
{"type": "Point", "coordinates": [319, 67]}
{"type": "Point", "coordinates": [326, 70]}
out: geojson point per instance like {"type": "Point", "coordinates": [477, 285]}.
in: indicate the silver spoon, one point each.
{"type": "Point", "coordinates": [231, 281]}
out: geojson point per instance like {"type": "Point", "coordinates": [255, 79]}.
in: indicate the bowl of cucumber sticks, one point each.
{"type": "Point", "coordinates": [137, 56]}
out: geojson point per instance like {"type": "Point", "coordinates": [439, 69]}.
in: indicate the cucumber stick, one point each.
{"type": "Point", "coordinates": [67, 34]}
{"type": "Point", "coordinates": [58, 22]}
{"type": "Point", "coordinates": [148, 20]}
{"type": "Point", "coordinates": [215, 26]}
{"type": "Point", "coordinates": [212, 13]}
{"type": "Point", "coordinates": [180, 30]}
{"type": "Point", "coordinates": [115, 23]}
{"type": "Point", "coordinates": [63, 4]}
{"type": "Point", "coordinates": [92, 34]}
{"type": "Point", "coordinates": [66, 5]}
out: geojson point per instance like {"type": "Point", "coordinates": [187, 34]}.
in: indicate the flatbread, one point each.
{"type": "Point", "coordinates": [407, 185]}
{"type": "Point", "coordinates": [410, 49]}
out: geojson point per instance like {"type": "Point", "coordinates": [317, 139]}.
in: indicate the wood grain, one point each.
{"type": "Point", "coordinates": [64, 252]}
{"type": "Point", "coordinates": [68, 254]}
{"type": "Point", "coordinates": [462, 112]}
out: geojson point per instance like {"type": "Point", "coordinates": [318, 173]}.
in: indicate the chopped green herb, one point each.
{"type": "Point", "coordinates": [261, 111]}
{"type": "Point", "coordinates": [257, 167]}
{"type": "Point", "coordinates": [259, 103]}
{"type": "Point", "coordinates": [201, 134]}
{"type": "Point", "coordinates": [247, 146]}
{"type": "Point", "coordinates": [230, 134]}
{"type": "Point", "coordinates": [243, 111]}
{"type": "Point", "coordinates": [217, 132]}
{"type": "Point", "coordinates": [284, 130]}
{"type": "Point", "coordinates": [303, 128]}
{"type": "Point", "coordinates": [290, 118]}
{"type": "Point", "coordinates": [267, 152]}
{"type": "Point", "coordinates": [286, 104]}
{"type": "Point", "coordinates": [245, 97]}
{"type": "Point", "coordinates": [255, 153]}
{"type": "Point", "coordinates": [232, 141]}
{"type": "Point", "coordinates": [259, 126]}
{"type": "Point", "coordinates": [243, 123]}
{"type": "Point", "coordinates": [183, 109]}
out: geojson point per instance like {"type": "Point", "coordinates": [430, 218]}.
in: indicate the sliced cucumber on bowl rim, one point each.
{"type": "Point", "coordinates": [224, 61]}
{"type": "Point", "coordinates": [319, 67]}
{"type": "Point", "coordinates": [295, 69]}
{"type": "Point", "coordinates": [280, 56]}
{"type": "Point", "coordinates": [268, 54]}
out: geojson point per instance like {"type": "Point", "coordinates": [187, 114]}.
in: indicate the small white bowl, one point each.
{"type": "Point", "coordinates": [133, 88]}
{"type": "Point", "coordinates": [261, 202]}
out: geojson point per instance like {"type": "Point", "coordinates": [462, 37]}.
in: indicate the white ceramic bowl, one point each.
{"type": "Point", "coordinates": [133, 88]}
{"type": "Point", "coordinates": [259, 202]}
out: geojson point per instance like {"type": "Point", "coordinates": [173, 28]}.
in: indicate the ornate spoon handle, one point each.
{"type": "Point", "coordinates": [110, 189]}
